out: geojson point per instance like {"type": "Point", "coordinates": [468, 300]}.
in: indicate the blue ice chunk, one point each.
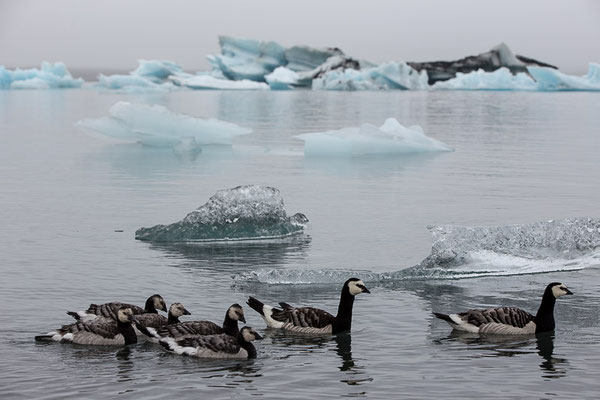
{"type": "Point", "coordinates": [500, 79]}
{"type": "Point", "coordinates": [154, 125]}
{"type": "Point", "coordinates": [50, 76]}
{"type": "Point", "coordinates": [549, 79]}
{"type": "Point", "coordinates": [247, 58]}
{"type": "Point", "coordinates": [305, 58]}
{"type": "Point", "coordinates": [282, 78]}
{"type": "Point", "coordinates": [241, 213]}
{"type": "Point", "coordinates": [150, 74]}
{"type": "Point", "coordinates": [391, 75]}
{"type": "Point", "coordinates": [390, 138]}
{"type": "Point", "coordinates": [157, 70]}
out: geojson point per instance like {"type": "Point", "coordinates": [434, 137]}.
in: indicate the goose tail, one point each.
{"type": "Point", "coordinates": [256, 305]}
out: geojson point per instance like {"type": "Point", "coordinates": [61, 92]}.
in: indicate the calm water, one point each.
{"type": "Point", "coordinates": [65, 196]}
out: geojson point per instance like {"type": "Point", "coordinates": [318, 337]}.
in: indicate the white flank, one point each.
{"type": "Point", "coordinates": [461, 325]}
{"type": "Point", "coordinates": [268, 311]}
{"type": "Point", "coordinates": [68, 336]}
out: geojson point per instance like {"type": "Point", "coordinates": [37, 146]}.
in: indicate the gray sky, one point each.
{"type": "Point", "coordinates": [115, 33]}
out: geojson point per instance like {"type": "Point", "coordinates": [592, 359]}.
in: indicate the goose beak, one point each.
{"type": "Point", "coordinates": [242, 318]}
{"type": "Point", "coordinates": [568, 291]}
{"type": "Point", "coordinates": [132, 319]}
{"type": "Point", "coordinates": [164, 308]}
{"type": "Point", "coordinates": [257, 336]}
{"type": "Point", "coordinates": [186, 312]}
{"type": "Point", "coordinates": [365, 290]}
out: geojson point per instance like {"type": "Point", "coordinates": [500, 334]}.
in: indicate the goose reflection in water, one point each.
{"type": "Point", "coordinates": [511, 346]}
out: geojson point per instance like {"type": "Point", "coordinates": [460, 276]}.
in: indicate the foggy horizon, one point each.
{"type": "Point", "coordinates": [113, 35]}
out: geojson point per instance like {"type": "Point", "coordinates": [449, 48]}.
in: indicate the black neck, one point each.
{"type": "Point", "coordinates": [248, 346]}
{"type": "Point", "coordinates": [230, 326]}
{"type": "Point", "coordinates": [149, 307]}
{"type": "Point", "coordinates": [128, 332]}
{"type": "Point", "coordinates": [343, 319]}
{"type": "Point", "coordinates": [172, 319]}
{"type": "Point", "coordinates": [544, 319]}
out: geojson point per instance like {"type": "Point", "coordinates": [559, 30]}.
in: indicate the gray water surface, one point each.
{"type": "Point", "coordinates": [70, 204]}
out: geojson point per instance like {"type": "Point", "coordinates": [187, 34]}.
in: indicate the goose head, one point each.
{"type": "Point", "coordinates": [356, 286]}
{"type": "Point", "coordinates": [125, 315]}
{"type": "Point", "coordinates": [158, 302]}
{"type": "Point", "coordinates": [248, 334]}
{"type": "Point", "coordinates": [558, 289]}
{"type": "Point", "coordinates": [236, 313]}
{"type": "Point", "coordinates": [177, 310]}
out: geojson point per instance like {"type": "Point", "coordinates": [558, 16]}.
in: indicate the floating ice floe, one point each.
{"type": "Point", "coordinates": [390, 138]}
{"type": "Point", "coordinates": [386, 76]}
{"type": "Point", "coordinates": [150, 74]}
{"type": "Point", "coordinates": [241, 213]}
{"type": "Point", "coordinates": [208, 82]}
{"type": "Point", "coordinates": [154, 125]}
{"type": "Point", "coordinates": [500, 79]}
{"type": "Point", "coordinates": [49, 76]}
{"type": "Point", "coordinates": [468, 252]}
{"type": "Point", "coordinates": [549, 79]}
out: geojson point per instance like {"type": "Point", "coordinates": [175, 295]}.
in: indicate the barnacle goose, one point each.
{"type": "Point", "coordinates": [178, 331]}
{"type": "Point", "coordinates": [147, 321]}
{"type": "Point", "coordinates": [106, 332]}
{"type": "Point", "coordinates": [109, 310]}
{"type": "Point", "coordinates": [215, 346]}
{"type": "Point", "coordinates": [312, 320]}
{"type": "Point", "coordinates": [509, 320]}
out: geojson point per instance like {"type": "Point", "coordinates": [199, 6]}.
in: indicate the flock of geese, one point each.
{"type": "Point", "coordinates": [118, 323]}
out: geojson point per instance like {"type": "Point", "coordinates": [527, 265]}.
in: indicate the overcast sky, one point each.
{"type": "Point", "coordinates": [115, 33]}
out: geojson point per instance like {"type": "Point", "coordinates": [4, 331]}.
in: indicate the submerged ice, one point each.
{"type": "Point", "coordinates": [241, 213]}
{"type": "Point", "coordinates": [467, 252]}
{"type": "Point", "coordinates": [150, 74]}
{"type": "Point", "coordinates": [390, 138]}
{"type": "Point", "coordinates": [154, 125]}
{"type": "Point", "coordinates": [49, 76]}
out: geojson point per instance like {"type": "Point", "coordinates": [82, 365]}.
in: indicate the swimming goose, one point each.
{"type": "Point", "coordinates": [178, 331]}
{"type": "Point", "coordinates": [215, 346]}
{"type": "Point", "coordinates": [312, 320]}
{"type": "Point", "coordinates": [509, 320]}
{"type": "Point", "coordinates": [109, 310]}
{"type": "Point", "coordinates": [119, 332]}
{"type": "Point", "coordinates": [149, 321]}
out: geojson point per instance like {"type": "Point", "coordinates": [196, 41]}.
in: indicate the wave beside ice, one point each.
{"type": "Point", "coordinates": [154, 125]}
{"type": "Point", "coordinates": [390, 138]}
{"type": "Point", "coordinates": [469, 252]}
{"type": "Point", "coordinates": [242, 213]}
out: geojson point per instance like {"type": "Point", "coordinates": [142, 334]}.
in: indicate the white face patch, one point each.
{"type": "Point", "coordinates": [231, 314]}
{"type": "Point", "coordinates": [123, 315]}
{"type": "Point", "coordinates": [353, 287]}
{"type": "Point", "coordinates": [176, 309]}
{"type": "Point", "coordinates": [157, 303]}
{"type": "Point", "coordinates": [248, 335]}
{"type": "Point", "coordinates": [559, 290]}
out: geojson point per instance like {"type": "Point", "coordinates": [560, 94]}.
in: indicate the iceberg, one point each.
{"type": "Point", "coordinates": [154, 125]}
{"type": "Point", "coordinates": [468, 252]}
{"type": "Point", "coordinates": [390, 138]}
{"type": "Point", "coordinates": [208, 82]}
{"type": "Point", "coordinates": [49, 76]}
{"type": "Point", "coordinates": [553, 80]}
{"type": "Point", "coordinates": [247, 58]}
{"type": "Point", "coordinates": [500, 79]}
{"type": "Point", "coordinates": [499, 56]}
{"type": "Point", "coordinates": [241, 213]}
{"type": "Point", "coordinates": [150, 74]}
{"type": "Point", "coordinates": [391, 75]}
